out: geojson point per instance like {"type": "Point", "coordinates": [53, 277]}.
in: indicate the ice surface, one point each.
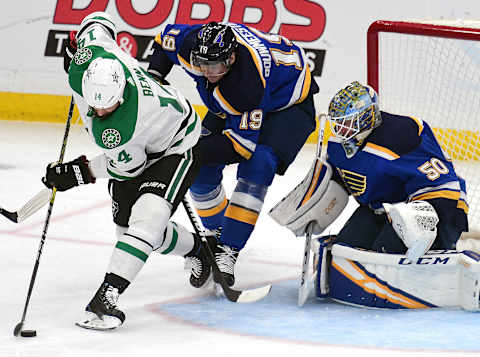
{"type": "Point", "coordinates": [165, 316]}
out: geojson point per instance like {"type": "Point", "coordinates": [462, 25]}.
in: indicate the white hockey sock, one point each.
{"type": "Point", "coordinates": [177, 240]}
{"type": "Point", "coordinates": [129, 256]}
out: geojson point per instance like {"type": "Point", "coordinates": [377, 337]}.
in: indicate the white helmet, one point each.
{"type": "Point", "coordinates": [101, 18]}
{"type": "Point", "coordinates": [103, 83]}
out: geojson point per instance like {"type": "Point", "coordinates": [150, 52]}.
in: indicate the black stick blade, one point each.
{"type": "Point", "coordinates": [13, 216]}
{"type": "Point", "coordinates": [18, 329]}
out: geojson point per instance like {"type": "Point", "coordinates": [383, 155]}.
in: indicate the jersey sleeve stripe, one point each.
{"type": "Point", "coordinates": [380, 151]}
{"type": "Point", "coordinates": [223, 102]}
{"type": "Point", "coordinates": [244, 147]}
{"type": "Point", "coordinates": [306, 84]}
{"type": "Point", "coordinates": [188, 67]}
{"type": "Point", "coordinates": [158, 38]}
{"type": "Point", "coordinates": [255, 57]}
{"type": "Point", "coordinates": [419, 123]}
{"type": "Point", "coordinates": [451, 195]}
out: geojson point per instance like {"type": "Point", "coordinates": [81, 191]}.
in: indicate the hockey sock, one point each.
{"type": "Point", "coordinates": [242, 213]}
{"type": "Point", "coordinates": [210, 206]}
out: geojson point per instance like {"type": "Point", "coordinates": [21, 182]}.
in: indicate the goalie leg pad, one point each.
{"type": "Point", "coordinates": [391, 281]}
{"type": "Point", "coordinates": [322, 247]}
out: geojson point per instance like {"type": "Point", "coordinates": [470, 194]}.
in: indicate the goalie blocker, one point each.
{"type": "Point", "coordinates": [391, 281]}
{"type": "Point", "coordinates": [316, 199]}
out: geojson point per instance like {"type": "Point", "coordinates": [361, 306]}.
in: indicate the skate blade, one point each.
{"type": "Point", "coordinates": [218, 291]}
{"type": "Point", "coordinates": [93, 322]}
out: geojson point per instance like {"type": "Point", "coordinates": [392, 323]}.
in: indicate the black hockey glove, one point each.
{"type": "Point", "coordinates": [69, 50]}
{"type": "Point", "coordinates": [67, 175]}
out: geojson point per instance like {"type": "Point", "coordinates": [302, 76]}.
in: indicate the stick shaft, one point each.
{"type": "Point", "coordinates": [47, 220]}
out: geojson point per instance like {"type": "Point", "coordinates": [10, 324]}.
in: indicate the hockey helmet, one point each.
{"type": "Point", "coordinates": [103, 83]}
{"type": "Point", "coordinates": [354, 112]}
{"type": "Point", "coordinates": [214, 44]}
{"type": "Point", "coordinates": [99, 17]}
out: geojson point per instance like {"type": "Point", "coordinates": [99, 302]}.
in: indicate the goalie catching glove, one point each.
{"type": "Point", "coordinates": [67, 175]}
{"type": "Point", "coordinates": [416, 225]}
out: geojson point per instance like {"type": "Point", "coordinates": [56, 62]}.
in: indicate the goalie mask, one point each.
{"type": "Point", "coordinates": [101, 18]}
{"type": "Point", "coordinates": [103, 83]}
{"type": "Point", "coordinates": [215, 45]}
{"type": "Point", "coordinates": [353, 113]}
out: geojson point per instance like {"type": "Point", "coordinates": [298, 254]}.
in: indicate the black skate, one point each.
{"type": "Point", "coordinates": [226, 257]}
{"type": "Point", "coordinates": [200, 269]}
{"type": "Point", "coordinates": [102, 312]}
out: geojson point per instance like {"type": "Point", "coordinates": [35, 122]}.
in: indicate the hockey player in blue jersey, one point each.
{"type": "Point", "coordinates": [410, 201]}
{"type": "Point", "coordinates": [381, 158]}
{"type": "Point", "coordinates": [390, 164]}
{"type": "Point", "coordinates": [259, 93]}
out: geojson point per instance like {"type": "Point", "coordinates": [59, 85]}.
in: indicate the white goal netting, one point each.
{"type": "Point", "coordinates": [432, 71]}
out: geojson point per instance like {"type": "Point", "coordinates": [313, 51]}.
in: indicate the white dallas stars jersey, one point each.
{"type": "Point", "coordinates": [152, 122]}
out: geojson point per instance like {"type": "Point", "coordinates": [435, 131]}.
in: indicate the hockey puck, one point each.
{"type": "Point", "coordinates": [28, 333]}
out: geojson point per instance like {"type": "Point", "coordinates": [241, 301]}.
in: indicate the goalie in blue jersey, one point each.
{"type": "Point", "coordinates": [410, 199]}
{"type": "Point", "coordinates": [259, 93]}
{"type": "Point", "coordinates": [385, 162]}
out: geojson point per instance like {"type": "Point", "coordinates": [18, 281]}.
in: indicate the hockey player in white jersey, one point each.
{"type": "Point", "coordinates": [147, 134]}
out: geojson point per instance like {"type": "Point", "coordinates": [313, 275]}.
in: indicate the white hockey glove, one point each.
{"type": "Point", "coordinates": [416, 225]}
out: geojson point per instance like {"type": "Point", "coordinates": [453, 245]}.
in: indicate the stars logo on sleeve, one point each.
{"type": "Point", "coordinates": [82, 56]}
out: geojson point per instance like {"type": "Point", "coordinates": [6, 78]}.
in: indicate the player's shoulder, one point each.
{"type": "Point", "coordinates": [118, 128]}
{"type": "Point", "coordinates": [397, 135]}
{"type": "Point", "coordinates": [243, 87]}
{"type": "Point", "coordinates": [178, 38]}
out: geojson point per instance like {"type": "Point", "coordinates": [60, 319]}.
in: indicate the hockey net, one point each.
{"type": "Point", "coordinates": [431, 70]}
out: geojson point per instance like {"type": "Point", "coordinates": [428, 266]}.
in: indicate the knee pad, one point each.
{"type": "Point", "coordinates": [261, 167]}
{"type": "Point", "coordinates": [149, 218]}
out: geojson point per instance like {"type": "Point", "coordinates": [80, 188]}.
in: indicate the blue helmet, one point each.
{"type": "Point", "coordinates": [354, 113]}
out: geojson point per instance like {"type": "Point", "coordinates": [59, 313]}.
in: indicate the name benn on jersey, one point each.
{"type": "Point", "coordinates": [256, 43]}
{"type": "Point", "coordinates": [146, 89]}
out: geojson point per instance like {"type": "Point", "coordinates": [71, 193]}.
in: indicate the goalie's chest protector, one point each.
{"type": "Point", "coordinates": [395, 162]}
{"type": "Point", "coordinates": [366, 176]}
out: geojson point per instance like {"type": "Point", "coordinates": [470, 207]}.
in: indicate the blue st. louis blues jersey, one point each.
{"type": "Point", "coordinates": [270, 73]}
{"type": "Point", "coordinates": [402, 161]}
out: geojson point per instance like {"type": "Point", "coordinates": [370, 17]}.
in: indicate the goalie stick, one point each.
{"type": "Point", "coordinates": [29, 208]}
{"type": "Point", "coordinates": [242, 296]}
{"type": "Point", "coordinates": [306, 282]}
{"type": "Point", "coordinates": [19, 326]}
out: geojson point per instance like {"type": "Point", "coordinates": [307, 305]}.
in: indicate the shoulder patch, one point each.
{"type": "Point", "coordinates": [111, 138]}
{"type": "Point", "coordinates": [82, 56]}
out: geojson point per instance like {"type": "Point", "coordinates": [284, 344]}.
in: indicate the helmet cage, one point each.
{"type": "Point", "coordinates": [354, 112]}
{"type": "Point", "coordinates": [348, 126]}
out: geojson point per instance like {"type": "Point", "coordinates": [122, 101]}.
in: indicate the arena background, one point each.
{"type": "Point", "coordinates": [33, 85]}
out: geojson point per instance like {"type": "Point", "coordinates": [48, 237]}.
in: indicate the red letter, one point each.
{"type": "Point", "coordinates": [144, 21]}
{"type": "Point", "coordinates": [184, 12]}
{"type": "Point", "coordinates": [66, 14]}
{"type": "Point", "coordinates": [308, 9]}
{"type": "Point", "coordinates": [267, 7]}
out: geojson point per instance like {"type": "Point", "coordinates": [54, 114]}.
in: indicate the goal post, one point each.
{"type": "Point", "coordinates": [431, 70]}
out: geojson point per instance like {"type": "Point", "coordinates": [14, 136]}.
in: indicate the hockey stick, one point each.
{"type": "Point", "coordinates": [19, 326]}
{"type": "Point", "coordinates": [305, 280]}
{"type": "Point", "coordinates": [29, 208]}
{"type": "Point", "coordinates": [241, 296]}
